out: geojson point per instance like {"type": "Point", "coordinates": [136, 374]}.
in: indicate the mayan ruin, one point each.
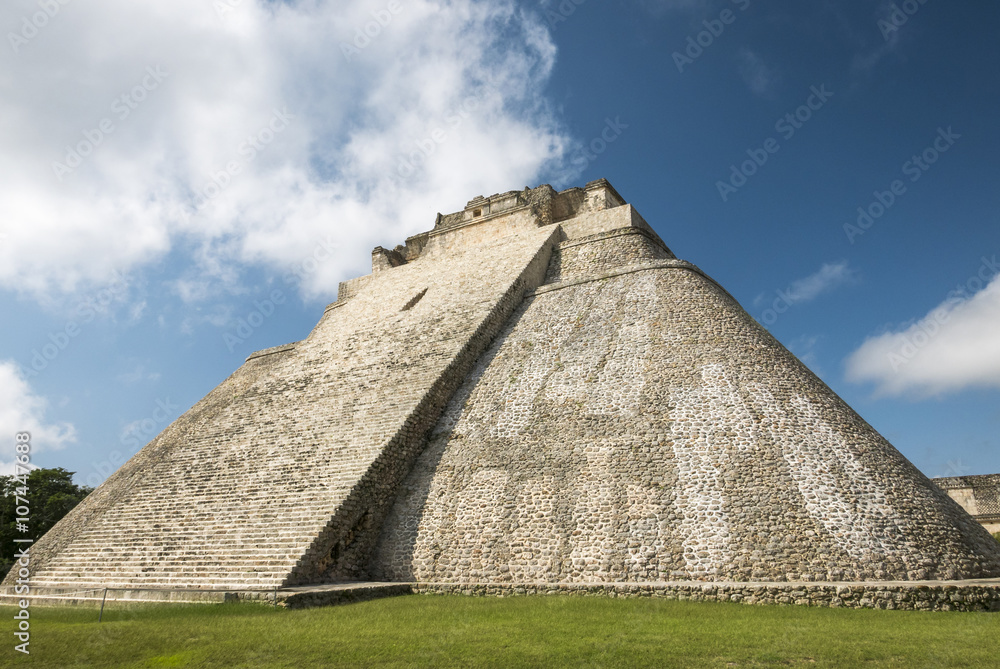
{"type": "Point", "coordinates": [534, 394]}
{"type": "Point", "coordinates": [979, 495]}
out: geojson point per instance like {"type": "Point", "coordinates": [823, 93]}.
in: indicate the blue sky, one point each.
{"type": "Point", "coordinates": [186, 183]}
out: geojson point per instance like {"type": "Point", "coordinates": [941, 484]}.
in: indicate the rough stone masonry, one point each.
{"type": "Point", "coordinates": [536, 393]}
{"type": "Point", "coordinates": [979, 495]}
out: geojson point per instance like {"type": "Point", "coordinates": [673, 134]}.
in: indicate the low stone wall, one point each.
{"type": "Point", "coordinates": [983, 595]}
{"type": "Point", "coordinates": [362, 592]}
{"type": "Point", "coordinates": [979, 495]}
{"type": "Point", "coordinates": [916, 596]}
{"type": "Point", "coordinates": [118, 597]}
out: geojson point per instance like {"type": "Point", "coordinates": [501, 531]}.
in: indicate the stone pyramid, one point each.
{"type": "Point", "coordinates": [534, 391]}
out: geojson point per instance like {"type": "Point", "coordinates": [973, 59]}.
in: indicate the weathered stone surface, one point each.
{"type": "Point", "coordinates": [900, 596]}
{"type": "Point", "coordinates": [979, 495]}
{"type": "Point", "coordinates": [536, 394]}
{"type": "Point", "coordinates": [282, 473]}
{"type": "Point", "coordinates": [642, 427]}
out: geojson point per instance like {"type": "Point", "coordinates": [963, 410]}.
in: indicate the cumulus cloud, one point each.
{"type": "Point", "coordinates": [248, 132]}
{"type": "Point", "coordinates": [955, 346]}
{"type": "Point", "coordinates": [23, 411]}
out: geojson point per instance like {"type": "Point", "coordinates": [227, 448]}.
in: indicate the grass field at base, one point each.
{"type": "Point", "coordinates": [443, 631]}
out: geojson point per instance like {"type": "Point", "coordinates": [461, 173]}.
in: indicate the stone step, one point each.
{"type": "Point", "coordinates": [131, 577]}
{"type": "Point", "coordinates": [71, 572]}
{"type": "Point", "coordinates": [91, 565]}
{"type": "Point", "coordinates": [274, 540]}
{"type": "Point", "coordinates": [227, 561]}
{"type": "Point", "coordinates": [211, 514]}
{"type": "Point", "coordinates": [148, 559]}
{"type": "Point", "coordinates": [195, 547]}
{"type": "Point", "coordinates": [105, 549]}
{"type": "Point", "coordinates": [102, 576]}
{"type": "Point", "coordinates": [118, 580]}
{"type": "Point", "coordinates": [222, 530]}
{"type": "Point", "coordinates": [175, 543]}
{"type": "Point", "coordinates": [165, 568]}
{"type": "Point", "coordinates": [115, 581]}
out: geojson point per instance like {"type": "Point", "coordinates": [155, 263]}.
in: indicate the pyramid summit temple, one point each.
{"type": "Point", "coordinates": [535, 395]}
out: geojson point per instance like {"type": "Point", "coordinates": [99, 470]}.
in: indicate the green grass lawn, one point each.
{"type": "Point", "coordinates": [422, 630]}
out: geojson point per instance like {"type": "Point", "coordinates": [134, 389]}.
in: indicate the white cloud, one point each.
{"type": "Point", "coordinates": [827, 278]}
{"type": "Point", "coordinates": [889, 40]}
{"type": "Point", "coordinates": [452, 85]}
{"type": "Point", "coordinates": [955, 346]}
{"type": "Point", "coordinates": [23, 411]}
{"type": "Point", "coordinates": [758, 77]}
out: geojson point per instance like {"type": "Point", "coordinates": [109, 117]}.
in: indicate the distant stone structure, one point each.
{"type": "Point", "coordinates": [534, 394]}
{"type": "Point", "coordinates": [979, 495]}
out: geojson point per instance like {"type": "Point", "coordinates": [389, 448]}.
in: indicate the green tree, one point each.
{"type": "Point", "coordinates": [51, 494]}
{"type": "Point", "coordinates": [996, 535]}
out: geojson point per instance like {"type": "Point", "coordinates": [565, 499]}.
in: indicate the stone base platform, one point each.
{"type": "Point", "coordinates": [87, 596]}
{"type": "Point", "coordinates": [970, 595]}
{"type": "Point", "coordinates": [295, 598]}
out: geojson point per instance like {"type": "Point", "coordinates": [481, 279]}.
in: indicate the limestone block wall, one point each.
{"type": "Point", "coordinates": [642, 427]}
{"type": "Point", "coordinates": [974, 596]}
{"type": "Point", "coordinates": [483, 231]}
{"type": "Point", "coordinates": [979, 495]}
{"type": "Point", "coordinates": [281, 474]}
{"type": "Point", "coordinates": [576, 258]}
